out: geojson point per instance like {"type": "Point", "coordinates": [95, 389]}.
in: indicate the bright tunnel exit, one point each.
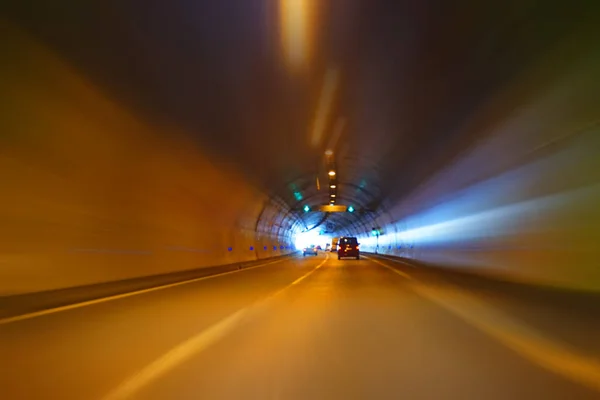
{"type": "Point", "coordinates": [312, 237]}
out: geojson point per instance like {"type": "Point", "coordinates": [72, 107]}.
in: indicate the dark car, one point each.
{"type": "Point", "coordinates": [310, 250]}
{"type": "Point", "coordinates": [348, 247]}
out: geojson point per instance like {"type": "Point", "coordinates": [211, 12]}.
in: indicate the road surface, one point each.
{"type": "Point", "coordinates": [304, 328]}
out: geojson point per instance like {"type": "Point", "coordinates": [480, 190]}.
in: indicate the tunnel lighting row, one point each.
{"type": "Point", "coordinates": [332, 185]}
{"type": "Point", "coordinates": [332, 181]}
{"type": "Point", "coordinates": [332, 174]}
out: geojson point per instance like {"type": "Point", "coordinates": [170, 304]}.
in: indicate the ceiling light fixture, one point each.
{"type": "Point", "coordinates": [331, 173]}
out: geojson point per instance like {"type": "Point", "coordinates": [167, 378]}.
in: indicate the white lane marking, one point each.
{"type": "Point", "coordinates": [397, 261]}
{"type": "Point", "coordinates": [297, 281]}
{"type": "Point", "coordinates": [524, 340]}
{"type": "Point", "coordinates": [394, 270]}
{"type": "Point", "coordinates": [176, 356]}
{"type": "Point", "coordinates": [35, 314]}
{"type": "Point", "coordinates": [191, 347]}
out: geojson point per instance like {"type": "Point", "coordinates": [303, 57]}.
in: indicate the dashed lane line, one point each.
{"type": "Point", "coordinates": [193, 346]}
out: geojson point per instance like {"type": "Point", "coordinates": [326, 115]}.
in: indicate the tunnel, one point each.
{"type": "Point", "coordinates": [145, 143]}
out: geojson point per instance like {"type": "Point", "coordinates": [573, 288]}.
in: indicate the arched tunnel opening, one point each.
{"type": "Point", "coordinates": [163, 166]}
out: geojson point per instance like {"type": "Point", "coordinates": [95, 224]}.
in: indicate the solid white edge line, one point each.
{"type": "Point", "coordinates": [530, 344]}
{"type": "Point", "coordinates": [514, 334]}
{"type": "Point", "coordinates": [397, 261]}
{"type": "Point", "coordinates": [191, 347]}
{"type": "Point", "coordinates": [394, 270]}
{"type": "Point", "coordinates": [54, 310]}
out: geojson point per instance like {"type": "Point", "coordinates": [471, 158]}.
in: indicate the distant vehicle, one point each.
{"type": "Point", "coordinates": [348, 247]}
{"type": "Point", "coordinates": [319, 247]}
{"type": "Point", "coordinates": [310, 250]}
{"type": "Point", "coordinates": [334, 244]}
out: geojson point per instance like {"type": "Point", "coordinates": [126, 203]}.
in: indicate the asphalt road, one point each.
{"type": "Point", "coordinates": [301, 328]}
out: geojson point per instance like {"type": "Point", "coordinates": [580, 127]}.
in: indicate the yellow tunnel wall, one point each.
{"type": "Point", "coordinates": [91, 193]}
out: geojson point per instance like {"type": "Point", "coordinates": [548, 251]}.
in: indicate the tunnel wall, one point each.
{"type": "Point", "coordinates": [524, 203]}
{"type": "Point", "coordinates": [93, 193]}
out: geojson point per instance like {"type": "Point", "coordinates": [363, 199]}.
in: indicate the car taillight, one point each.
{"type": "Point", "coordinates": [357, 248]}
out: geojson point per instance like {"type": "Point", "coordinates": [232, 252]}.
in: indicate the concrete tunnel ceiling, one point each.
{"type": "Point", "coordinates": [396, 116]}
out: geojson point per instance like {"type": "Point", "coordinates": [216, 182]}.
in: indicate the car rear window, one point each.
{"type": "Point", "coordinates": [349, 240]}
